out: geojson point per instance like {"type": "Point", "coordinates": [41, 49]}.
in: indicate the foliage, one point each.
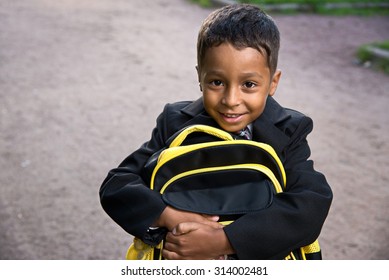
{"type": "Point", "coordinates": [367, 57]}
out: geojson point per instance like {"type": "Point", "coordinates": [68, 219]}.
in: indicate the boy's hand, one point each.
{"type": "Point", "coordinates": [171, 217]}
{"type": "Point", "coordinates": [193, 240]}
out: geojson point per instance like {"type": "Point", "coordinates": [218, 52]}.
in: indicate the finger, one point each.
{"type": "Point", "coordinates": [169, 255]}
{"type": "Point", "coordinates": [184, 228]}
{"type": "Point", "coordinates": [170, 244]}
{"type": "Point", "coordinates": [170, 239]}
{"type": "Point", "coordinates": [213, 218]}
{"type": "Point", "coordinates": [171, 249]}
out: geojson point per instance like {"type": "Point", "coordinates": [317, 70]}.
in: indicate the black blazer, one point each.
{"type": "Point", "coordinates": [295, 217]}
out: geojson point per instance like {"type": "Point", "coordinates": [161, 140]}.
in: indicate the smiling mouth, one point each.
{"type": "Point", "coordinates": [232, 116]}
{"type": "Point", "coordinates": [232, 119]}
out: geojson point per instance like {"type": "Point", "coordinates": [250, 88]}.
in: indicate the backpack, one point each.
{"type": "Point", "coordinates": [220, 176]}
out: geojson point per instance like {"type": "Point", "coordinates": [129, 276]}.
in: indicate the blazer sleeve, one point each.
{"type": "Point", "coordinates": [125, 196]}
{"type": "Point", "coordinates": [296, 216]}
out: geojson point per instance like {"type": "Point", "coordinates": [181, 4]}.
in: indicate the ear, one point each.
{"type": "Point", "coordinates": [274, 82]}
{"type": "Point", "coordinates": [198, 77]}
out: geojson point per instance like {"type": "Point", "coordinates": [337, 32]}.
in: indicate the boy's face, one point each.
{"type": "Point", "coordinates": [235, 85]}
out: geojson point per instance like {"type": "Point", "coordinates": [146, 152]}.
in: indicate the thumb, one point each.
{"type": "Point", "coordinates": [183, 228]}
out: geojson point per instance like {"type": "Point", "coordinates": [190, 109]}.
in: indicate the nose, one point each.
{"type": "Point", "coordinates": [231, 97]}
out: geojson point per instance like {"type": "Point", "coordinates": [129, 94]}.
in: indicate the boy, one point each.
{"type": "Point", "coordinates": [237, 70]}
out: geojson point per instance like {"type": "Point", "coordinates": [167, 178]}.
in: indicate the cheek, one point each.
{"type": "Point", "coordinates": [210, 99]}
{"type": "Point", "coordinates": [207, 102]}
{"type": "Point", "coordinates": [256, 106]}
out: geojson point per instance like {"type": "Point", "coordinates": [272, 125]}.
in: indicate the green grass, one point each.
{"type": "Point", "coordinates": [203, 3]}
{"type": "Point", "coordinates": [353, 7]}
{"type": "Point", "coordinates": [368, 58]}
{"type": "Point", "coordinates": [383, 45]}
{"type": "Point", "coordinates": [310, 1]}
{"type": "Point", "coordinates": [317, 6]}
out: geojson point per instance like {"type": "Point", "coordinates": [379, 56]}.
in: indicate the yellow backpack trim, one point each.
{"type": "Point", "coordinates": [258, 167]}
{"type": "Point", "coordinates": [172, 153]}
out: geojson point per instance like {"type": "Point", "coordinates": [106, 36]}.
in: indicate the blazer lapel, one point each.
{"type": "Point", "coordinates": [265, 129]}
{"type": "Point", "coordinates": [199, 115]}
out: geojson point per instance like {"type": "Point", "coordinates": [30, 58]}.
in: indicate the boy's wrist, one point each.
{"type": "Point", "coordinates": [166, 219]}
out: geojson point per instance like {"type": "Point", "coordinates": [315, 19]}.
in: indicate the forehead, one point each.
{"type": "Point", "coordinates": [227, 57]}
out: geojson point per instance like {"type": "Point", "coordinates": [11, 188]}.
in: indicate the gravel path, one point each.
{"type": "Point", "coordinates": [81, 83]}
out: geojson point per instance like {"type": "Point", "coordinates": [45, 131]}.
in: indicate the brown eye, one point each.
{"type": "Point", "coordinates": [249, 84]}
{"type": "Point", "coordinates": [216, 83]}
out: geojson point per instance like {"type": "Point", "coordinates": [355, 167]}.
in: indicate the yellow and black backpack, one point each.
{"type": "Point", "coordinates": [220, 176]}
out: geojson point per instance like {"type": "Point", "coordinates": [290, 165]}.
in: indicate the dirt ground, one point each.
{"type": "Point", "coordinates": [81, 83]}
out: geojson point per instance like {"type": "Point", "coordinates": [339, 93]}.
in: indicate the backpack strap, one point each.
{"type": "Point", "coordinates": [183, 134]}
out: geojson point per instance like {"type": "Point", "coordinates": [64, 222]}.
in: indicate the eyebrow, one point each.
{"type": "Point", "coordinates": [251, 74]}
{"type": "Point", "coordinates": [245, 74]}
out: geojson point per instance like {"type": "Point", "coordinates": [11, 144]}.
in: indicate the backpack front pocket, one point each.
{"type": "Point", "coordinates": [223, 190]}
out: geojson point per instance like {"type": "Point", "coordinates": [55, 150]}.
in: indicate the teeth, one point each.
{"type": "Point", "coordinates": [231, 115]}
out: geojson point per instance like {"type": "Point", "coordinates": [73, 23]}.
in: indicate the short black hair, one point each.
{"type": "Point", "coordinates": [242, 25]}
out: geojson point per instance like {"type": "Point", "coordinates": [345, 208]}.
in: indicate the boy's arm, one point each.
{"type": "Point", "coordinates": [127, 199]}
{"type": "Point", "coordinates": [125, 195]}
